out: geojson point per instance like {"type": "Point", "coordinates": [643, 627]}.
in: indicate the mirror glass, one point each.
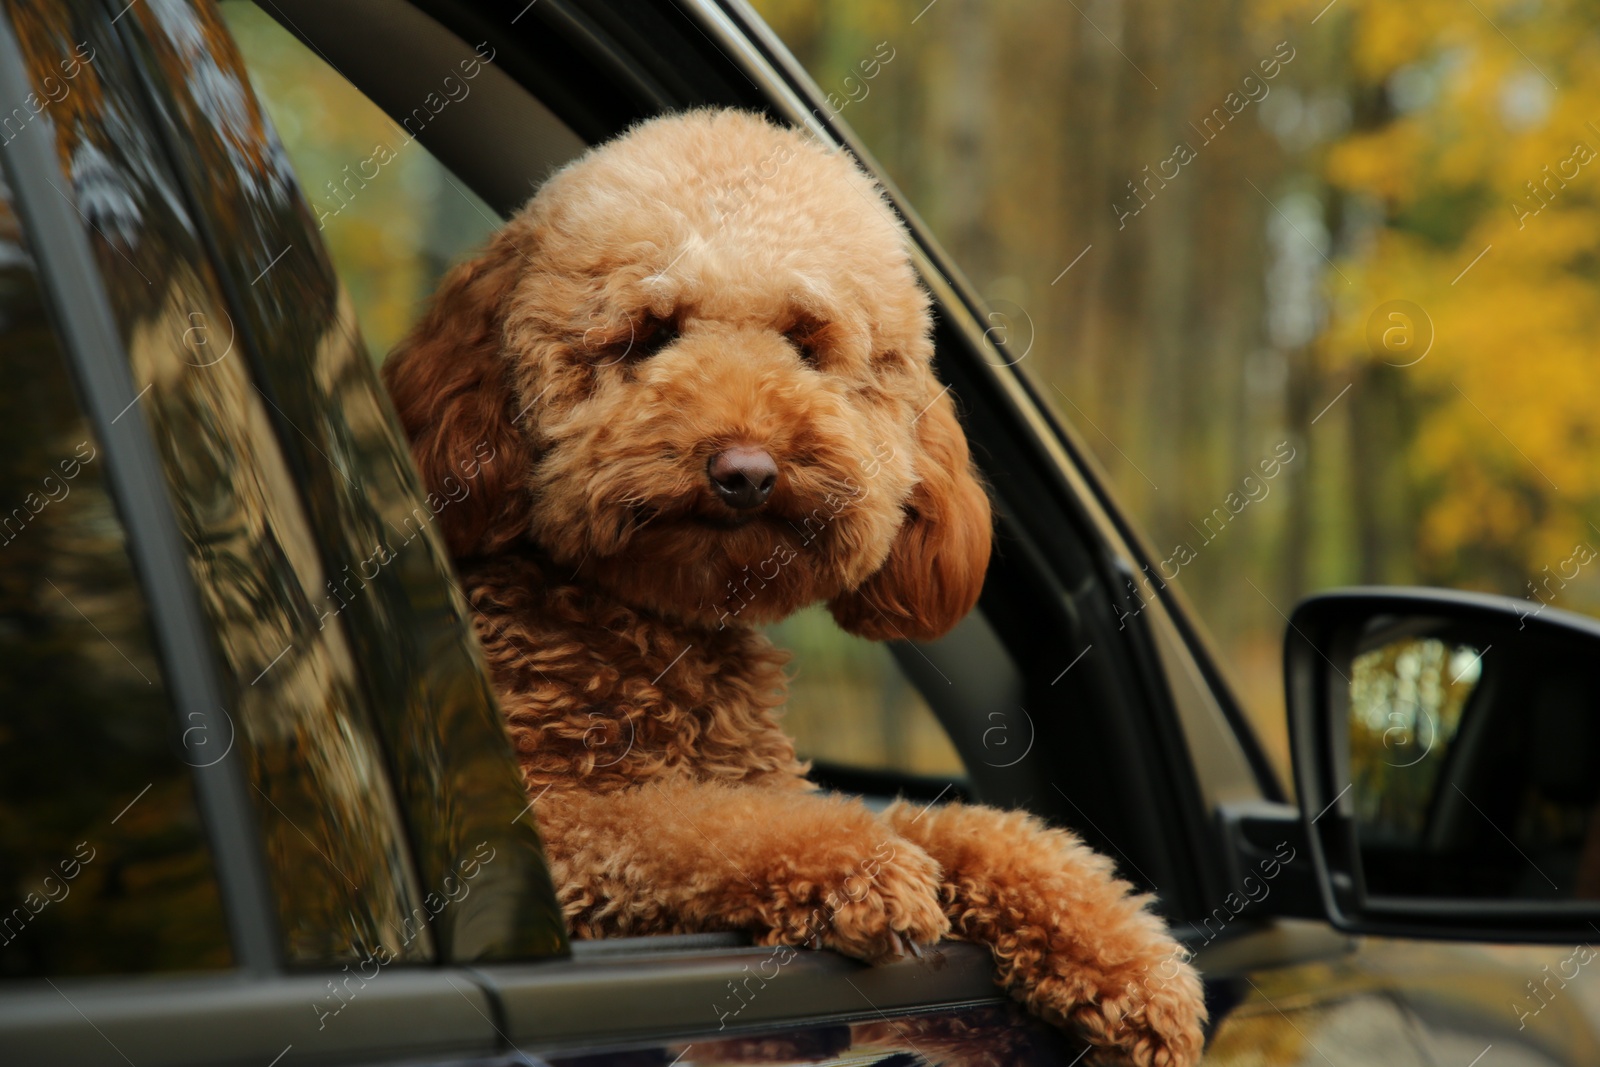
{"type": "Point", "coordinates": [1474, 759]}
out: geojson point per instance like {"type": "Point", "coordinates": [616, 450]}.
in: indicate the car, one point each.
{"type": "Point", "coordinates": [257, 805]}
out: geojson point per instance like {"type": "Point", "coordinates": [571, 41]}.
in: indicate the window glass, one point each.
{"type": "Point", "coordinates": [335, 845]}
{"type": "Point", "coordinates": [1315, 283]}
{"type": "Point", "coordinates": [392, 216]}
{"type": "Point", "coordinates": [103, 860]}
{"type": "Point", "coordinates": [388, 606]}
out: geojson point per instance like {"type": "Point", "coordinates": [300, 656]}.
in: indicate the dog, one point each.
{"type": "Point", "coordinates": [693, 377]}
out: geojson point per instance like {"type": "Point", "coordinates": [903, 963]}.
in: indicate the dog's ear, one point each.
{"type": "Point", "coordinates": [935, 570]}
{"type": "Point", "coordinates": [454, 394]}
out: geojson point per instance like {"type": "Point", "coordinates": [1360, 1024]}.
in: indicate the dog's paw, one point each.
{"type": "Point", "coordinates": [1152, 1021]}
{"type": "Point", "coordinates": [897, 915]}
{"type": "Point", "coordinates": [887, 908]}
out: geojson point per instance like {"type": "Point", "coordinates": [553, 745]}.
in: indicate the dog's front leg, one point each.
{"type": "Point", "coordinates": [1070, 940]}
{"type": "Point", "coordinates": [790, 866]}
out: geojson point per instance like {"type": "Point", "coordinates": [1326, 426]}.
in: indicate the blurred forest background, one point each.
{"type": "Point", "coordinates": [1361, 236]}
{"type": "Point", "coordinates": [1242, 296]}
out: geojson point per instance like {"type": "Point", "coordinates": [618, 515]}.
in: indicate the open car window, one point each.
{"type": "Point", "coordinates": [851, 708]}
{"type": "Point", "coordinates": [395, 218]}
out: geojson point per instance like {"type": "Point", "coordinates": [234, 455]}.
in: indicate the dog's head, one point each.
{"type": "Point", "coordinates": [695, 368]}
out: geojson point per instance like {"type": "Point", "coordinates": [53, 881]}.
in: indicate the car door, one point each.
{"type": "Point", "coordinates": [1156, 777]}
{"type": "Point", "coordinates": [1048, 604]}
{"type": "Point", "coordinates": [1174, 770]}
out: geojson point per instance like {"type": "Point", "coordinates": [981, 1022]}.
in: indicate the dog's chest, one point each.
{"type": "Point", "coordinates": [597, 692]}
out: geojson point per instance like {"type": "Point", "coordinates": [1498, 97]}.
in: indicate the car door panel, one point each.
{"type": "Point", "coordinates": [1295, 991]}
{"type": "Point", "coordinates": [675, 985]}
{"type": "Point", "coordinates": [398, 1014]}
{"type": "Point", "coordinates": [976, 1036]}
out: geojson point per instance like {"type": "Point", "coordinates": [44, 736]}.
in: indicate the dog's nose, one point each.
{"type": "Point", "coordinates": [742, 476]}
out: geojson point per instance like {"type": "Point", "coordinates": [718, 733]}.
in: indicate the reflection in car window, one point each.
{"type": "Point", "coordinates": [103, 861]}
{"type": "Point", "coordinates": [392, 216]}
{"type": "Point", "coordinates": [335, 845]}
{"type": "Point", "coordinates": [388, 579]}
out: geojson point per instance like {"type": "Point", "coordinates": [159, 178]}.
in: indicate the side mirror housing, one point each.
{"type": "Point", "coordinates": [1447, 758]}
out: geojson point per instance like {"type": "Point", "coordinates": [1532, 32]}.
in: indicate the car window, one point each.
{"type": "Point", "coordinates": [334, 843]}
{"type": "Point", "coordinates": [103, 861]}
{"type": "Point", "coordinates": [374, 545]}
{"type": "Point", "coordinates": [1313, 283]}
{"type": "Point", "coordinates": [391, 236]}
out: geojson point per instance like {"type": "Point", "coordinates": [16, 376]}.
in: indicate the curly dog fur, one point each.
{"type": "Point", "coordinates": [711, 282]}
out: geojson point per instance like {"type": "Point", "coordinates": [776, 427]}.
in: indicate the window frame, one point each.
{"type": "Point", "coordinates": [1176, 748]}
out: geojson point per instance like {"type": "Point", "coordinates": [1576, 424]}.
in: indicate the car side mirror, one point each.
{"type": "Point", "coordinates": [1447, 758]}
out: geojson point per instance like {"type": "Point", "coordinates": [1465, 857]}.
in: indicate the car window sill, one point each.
{"type": "Point", "coordinates": [658, 945]}
{"type": "Point", "coordinates": [656, 991]}
{"type": "Point", "coordinates": [233, 1018]}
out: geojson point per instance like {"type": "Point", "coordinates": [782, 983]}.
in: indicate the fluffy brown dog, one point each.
{"type": "Point", "coordinates": [698, 362]}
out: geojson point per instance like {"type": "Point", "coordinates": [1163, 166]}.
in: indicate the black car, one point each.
{"type": "Point", "coordinates": [256, 802]}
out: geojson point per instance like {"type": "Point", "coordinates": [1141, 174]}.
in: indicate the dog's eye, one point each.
{"type": "Point", "coordinates": [804, 337]}
{"type": "Point", "coordinates": [651, 336]}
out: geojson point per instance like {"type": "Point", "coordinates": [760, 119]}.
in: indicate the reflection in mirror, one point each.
{"type": "Point", "coordinates": [1474, 755]}
{"type": "Point", "coordinates": [1406, 698]}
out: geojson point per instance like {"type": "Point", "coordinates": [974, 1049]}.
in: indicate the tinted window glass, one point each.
{"type": "Point", "coordinates": [334, 842]}
{"type": "Point", "coordinates": [103, 862]}
{"type": "Point", "coordinates": [373, 556]}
